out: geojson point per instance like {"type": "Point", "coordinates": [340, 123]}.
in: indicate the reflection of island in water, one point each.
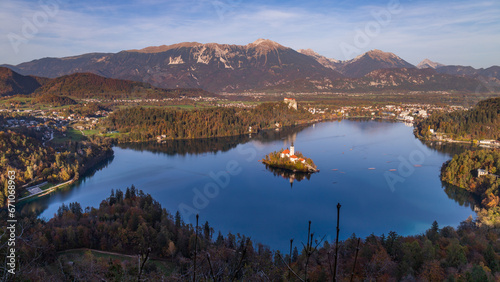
{"type": "Point", "coordinates": [213, 145]}
{"type": "Point", "coordinates": [288, 174]}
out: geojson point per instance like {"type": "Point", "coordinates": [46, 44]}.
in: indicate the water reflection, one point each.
{"type": "Point", "coordinates": [214, 145]}
{"type": "Point", "coordinates": [462, 196]}
{"type": "Point", "coordinates": [40, 204]}
{"type": "Point", "coordinates": [260, 204]}
{"type": "Point", "coordinates": [287, 174]}
{"type": "Point", "coordinates": [449, 148]}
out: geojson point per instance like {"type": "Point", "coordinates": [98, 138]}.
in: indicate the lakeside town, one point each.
{"type": "Point", "coordinates": [47, 121]}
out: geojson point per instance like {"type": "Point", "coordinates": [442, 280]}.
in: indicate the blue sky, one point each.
{"type": "Point", "coordinates": [449, 32]}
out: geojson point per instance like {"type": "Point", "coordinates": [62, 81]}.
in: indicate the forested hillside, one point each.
{"type": "Point", "coordinates": [462, 171]}
{"type": "Point", "coordinates": [32, 161]}
{"type": "Point", "coordinates": [143, 124]}
{"type": "Point", "coordinates": [12, 83]}
{"type": "Point", "coordinates": [134, 224]}
{"type": "Point", "coordinates": [54, 100]}
{"type": "Point", "coordinates": [88, 85]}
{"type": "Point", "coordinates": [480, 122]}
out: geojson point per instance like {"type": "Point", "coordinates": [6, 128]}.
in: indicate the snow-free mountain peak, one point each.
{"type": "Point", "coordinates": [426, 63]}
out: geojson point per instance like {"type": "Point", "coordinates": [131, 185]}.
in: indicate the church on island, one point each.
{"type": "Point", "coordinates": [290, 154]}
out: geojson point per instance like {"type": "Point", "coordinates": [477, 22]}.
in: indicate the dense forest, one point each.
{"type": "Point", "coordinates": [12, 83]}
{"type": "Point", "coordinates": [89, 85]}
{"type": "Point", "coordinates": [163, 247]}
{"type": "Point", "coordinates": [53, 100]}
{"type": "Point", "coordinates": [145, 124]}
{"type": "Point", "coordinates": [34, 163]}
{"type": "Point", "coordinates": [462, 171]}
{"type": "Point", "coordinates": [480, 122]}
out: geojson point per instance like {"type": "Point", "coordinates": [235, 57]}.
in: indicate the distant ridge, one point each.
{"type": "Point", "coordinates": [164, 48]}
{"type": "Point", "coordinates": [262, 64]}
{"type": "Point", "coordinates": [85, 85]}
{"type": "Point", "coordinates": [372, 60]}
{"type": "Point", "coordinates": [362, 64]}
{"type": "Point", "coordinates": [426, 63]}
{"type": "Point", "coordinates": [212, 66]}
{"type": "Point", "coordinates": [12, 83]}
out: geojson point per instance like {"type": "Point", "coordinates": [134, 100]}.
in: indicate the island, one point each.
{"type": "Point", "coordinates": [288, 159]}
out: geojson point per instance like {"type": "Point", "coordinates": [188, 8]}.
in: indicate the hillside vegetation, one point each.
{"type": "Point", "coordinates": [480, 122]}
{"type": "Point", "coordinates": [54, 100]}
{"type": "Point", "coordinates": [12, 83]}
{"type": "Point", "coordinates": [34, 162]}
{"type": "Point", "coordinates": [144, 124]}
{"type": "Point", "coordinates": [88, 85]}
{"type": "Point", "coordinates": [461, 171]}
{"type": "Point", "coordinates": [134, 224]}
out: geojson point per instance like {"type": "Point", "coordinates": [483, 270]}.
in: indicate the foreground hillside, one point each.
{"type": "Point", "coordinates": [134, 224]}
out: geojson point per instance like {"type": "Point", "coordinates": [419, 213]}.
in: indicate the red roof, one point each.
{"type": "Point", "coordinates": [293, 157]}
{"type": "Point", "coordinates": [302, 159]}
{"type": "Point", "coordinates": [286, 151]}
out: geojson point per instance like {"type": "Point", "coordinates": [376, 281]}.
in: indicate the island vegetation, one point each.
{"type": "Point", "coordinates": [130, 237]}
{"type": "Point", "coordinates": [281, 160]}
{"type": "Point", "coordinates": [477, 172]}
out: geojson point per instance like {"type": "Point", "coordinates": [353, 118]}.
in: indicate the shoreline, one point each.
{"type": "Point", "coordinates": [104, 156]}
{"type": "Point", "coordinates": [287, 169]}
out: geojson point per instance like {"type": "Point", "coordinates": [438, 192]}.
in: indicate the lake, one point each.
{"type": "Point", "coordinates": [384, 178]}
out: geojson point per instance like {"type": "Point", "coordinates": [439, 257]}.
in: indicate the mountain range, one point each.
{"type": "Point", "coordinates": [86, 85]}
{"type": "Point", "coordinates": [262, 65]}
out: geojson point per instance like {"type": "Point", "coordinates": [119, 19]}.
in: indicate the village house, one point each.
{"type": "Point", "coordinates": [481, 172]}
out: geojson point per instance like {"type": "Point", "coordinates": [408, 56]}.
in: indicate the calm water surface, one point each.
{"type": "Point", "coordinates": [247, 198]}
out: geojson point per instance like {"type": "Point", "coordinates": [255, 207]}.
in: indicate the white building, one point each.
{"type": "Point", "coordinates": [291, 103]}
{"type": "Point", "coordinates": [481, 172]}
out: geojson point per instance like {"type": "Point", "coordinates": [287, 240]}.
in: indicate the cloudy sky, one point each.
{"type": "Point", "coordinates": [449, 32]}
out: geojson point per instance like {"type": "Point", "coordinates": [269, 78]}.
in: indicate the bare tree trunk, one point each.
{"type": "Point", "coordinates": [355, 259]}
{"type": "Point", "coordinates": [336, 244]}
{"type": "Point", "coordinates": [195, 247]}
{"type": "Point", "coordinates": [141, 266]}
{"type": "Point", "coordinates": [307, 250]}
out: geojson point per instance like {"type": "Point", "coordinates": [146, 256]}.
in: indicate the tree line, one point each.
{"type": "Point", "coordinates": [274, 159]}
{"type": "Point", "coordinates": [89, 85]}
{"type": "Point", "coordinates": [462, 171]}
{"type": "Point", "coordinates": [133, 223]}
{"type": "Point", "coordinates": [145, 124]}
{"type": "Point", "coordinates": [34, 162]}
{"type": "Point", "coordinates": [480, 122]}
